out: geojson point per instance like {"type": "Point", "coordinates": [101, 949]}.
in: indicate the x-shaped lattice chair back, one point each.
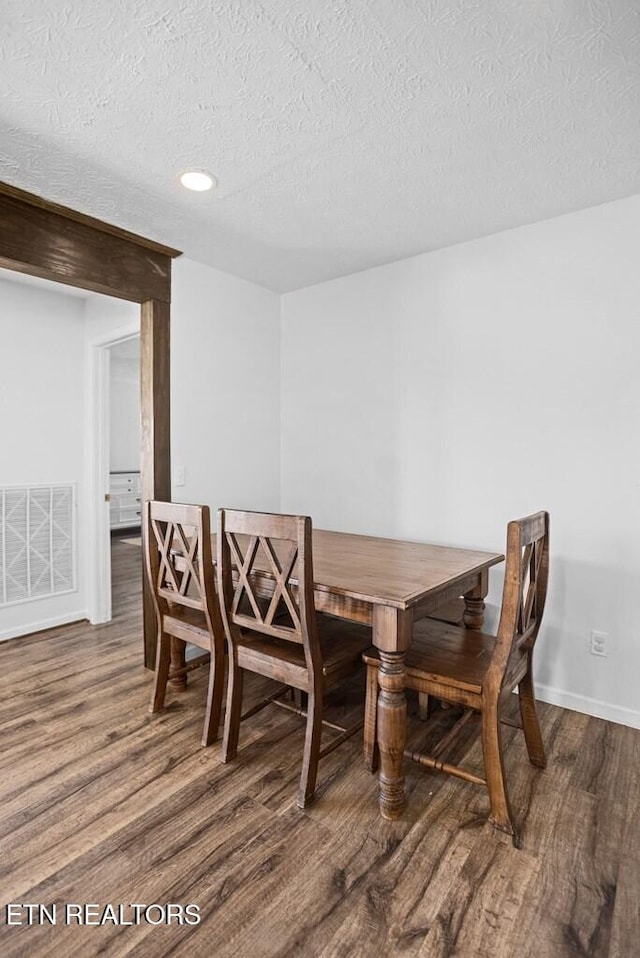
{"type": "Point", "coordinates": [281, 571]}
{"type": "Point", "coordinates": [178, 549]}
{"type": "Point", "coordinates": [531, 561]}
{"type": "Point", "coordinates": [525, 589]}
{"type": "Point", "coordinates": [266, 575]}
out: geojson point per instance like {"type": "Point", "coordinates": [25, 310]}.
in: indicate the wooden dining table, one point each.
{"type": "Point", "coordinates": [389, 584]}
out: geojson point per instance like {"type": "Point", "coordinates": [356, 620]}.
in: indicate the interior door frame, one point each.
{"type": "Point", "coordinates": [98, 460]}
{"type": "Point", "coordinates": [54, 242]}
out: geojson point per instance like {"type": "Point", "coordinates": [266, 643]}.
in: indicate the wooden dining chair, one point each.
{"type": "Point", "coordinates": [453, 613]}
{"type": "Point", "coordinates": [479, 671]}
{"type": "Point", "coordinates": [265, 583]}
{"type": "Point", "coordinates": [182, 582]}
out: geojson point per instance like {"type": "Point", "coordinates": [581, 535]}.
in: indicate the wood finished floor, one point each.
{"type": "Point", "coordinates": [102, 802]}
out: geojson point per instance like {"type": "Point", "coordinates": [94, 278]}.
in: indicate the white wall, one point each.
{"type": "Point", "coordinates": [42, 421]}
{"type": "Point", "coordinates": [124, 419]}
{"type": "Point", "coordinates": [225, 389]}
{"type": "Point", "coordinates": [438, 397]}
{"type": "Point", "coordinates": [225, 384]}
{"type": "Point", "coordinates": [433, 399]}
{"type": "Point", "coordinates": [225, 396]}
{"type": "Point", "coordinates": [107, 318]}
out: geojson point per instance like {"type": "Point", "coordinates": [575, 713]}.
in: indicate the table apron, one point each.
{"type": "Point", "coordinates": [461, 586]}
{"type": "Point", "coordinates": [344, 607]}
{"type": "Point", "coordinates": [362, 610]}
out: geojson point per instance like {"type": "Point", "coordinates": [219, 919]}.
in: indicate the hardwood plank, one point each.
{"type": "Point", "coordinates": [571, 903]}
{"type": "Point", "coordinates": [484, 902]}
{"type": "Point", "coordinates": [102, 802]}
{"type": "Point", "coordinates": [625, 921]}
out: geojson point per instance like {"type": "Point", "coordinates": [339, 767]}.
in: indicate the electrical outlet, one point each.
{"type": "Point", "coordinates": [600, 643]}
{"type": "Point", "coordinates": [178, 476]}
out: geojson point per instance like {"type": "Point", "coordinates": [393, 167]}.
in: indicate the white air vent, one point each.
{"type": "Point", "coordinates": [37, 555]}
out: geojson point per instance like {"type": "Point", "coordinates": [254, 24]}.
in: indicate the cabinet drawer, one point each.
{"type": "Point", "coordinates": [124, 483]}
{"type": "Point", "coordinates": [130, 512]}
{"type": "Point", "coordinates": [125, 508]}
{"type": "Point", "coordinates": [125, 501]}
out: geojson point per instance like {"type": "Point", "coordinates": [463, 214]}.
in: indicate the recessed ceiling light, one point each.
{"type": "Point", "coordinates": [197, 180]}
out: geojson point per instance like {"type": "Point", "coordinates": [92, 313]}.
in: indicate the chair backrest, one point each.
{"type": "Point", "coordinates": [265, 577]}
{"type": "Point", "coordinates": [179, 561]}
{"type": "Point", "coordinates": [524, 594]}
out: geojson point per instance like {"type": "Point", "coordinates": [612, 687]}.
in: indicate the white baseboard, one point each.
{"type": "Point", "coordinates": [595, 707]}
{"type": "Point", "coordinates": [43, 624]}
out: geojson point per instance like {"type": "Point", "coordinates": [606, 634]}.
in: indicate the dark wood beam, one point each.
{"type": "Point", "coordinates": [48, 240]}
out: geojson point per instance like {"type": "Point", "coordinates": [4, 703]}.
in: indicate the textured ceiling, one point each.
{"type": "Point", "coordinates": [343, 134]}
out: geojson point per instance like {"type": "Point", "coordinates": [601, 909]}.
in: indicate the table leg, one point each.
{"type": "Point", "coordinates": [392, 635]}
{"type": "Point", "coordinates": [392, 733]}
{"type": "Point", "coordinates": [474, 603]}
{"type": "Point", "coordinates": [178, 661]}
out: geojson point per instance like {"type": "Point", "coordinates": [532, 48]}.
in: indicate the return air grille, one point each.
{"type": "Point", "coordinates": [37, 555]}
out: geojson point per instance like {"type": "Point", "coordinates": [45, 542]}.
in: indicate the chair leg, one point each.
{"type": "Point", "coordinates": [423, 706]}
{"type": "Point", "coordinates": [370, 739]}
{"type": "Point", "coordinates": [163, 664]}
{"type": "Point", "coordinates": [234, 711]}
{"type": "Point", "coordinates": [501, 816]}
{"type": "Point", "coordinates": [214, 698]}
{"type": "Point", "coordinates": [299, 699]}
{"type": "Point", "coordinates": [530, 723]}
{"type": "Point", "coordinates": [311, 749]}
{"type": "Point", "coordinates": [178, 648]}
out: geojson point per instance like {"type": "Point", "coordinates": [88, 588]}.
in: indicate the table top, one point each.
{"type": "Point", "coordinates": [388, 572]}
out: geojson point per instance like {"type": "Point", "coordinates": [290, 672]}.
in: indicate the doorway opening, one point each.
{"type": "Point", "coordinates": [114, 431]}
{"type": "Point", "coordinates": [125, 490]}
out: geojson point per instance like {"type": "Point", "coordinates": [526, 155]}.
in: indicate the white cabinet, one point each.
{"type": "Point", "coordinates": [124, 492]}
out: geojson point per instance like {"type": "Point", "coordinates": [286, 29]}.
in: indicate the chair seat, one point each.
{"type": "Point", "coordinates": [188, 624]}
{"type": "Point", "coordinates": [445, 654]}
{"type": "Point", "coordinates": [342, 644]}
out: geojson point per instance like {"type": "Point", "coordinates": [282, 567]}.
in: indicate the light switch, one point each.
{"type": "Point", "coordinates": [178, 476]}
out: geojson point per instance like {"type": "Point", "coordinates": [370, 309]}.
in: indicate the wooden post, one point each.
{"type": "Point", "coordinates": [155, 421]}
{"type": "Point", "coordinates": [63, 245]}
